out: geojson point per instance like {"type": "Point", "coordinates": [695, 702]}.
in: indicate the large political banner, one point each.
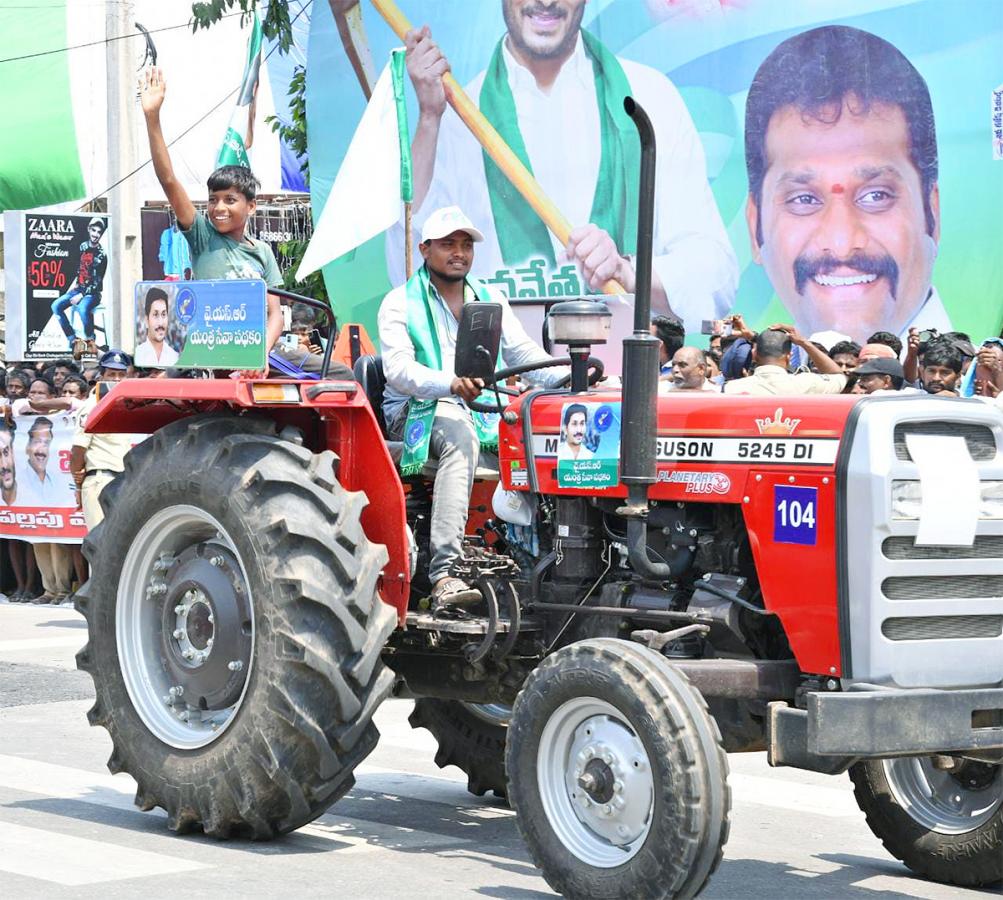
{"type": "Point", "coordinates": [834, 163]}
{"type": "Point", "coordinates": [37, 501]}
{"type": "Point", "coordinates": [58, 273]}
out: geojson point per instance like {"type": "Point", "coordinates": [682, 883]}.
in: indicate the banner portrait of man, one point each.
{"type": "Point", "coordinates": [555, 94]}
{"type": "Point", "coordinates": [844, 207]}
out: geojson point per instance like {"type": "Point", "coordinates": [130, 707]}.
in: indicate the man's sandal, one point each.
{"type": "Point", "coordinates": [454, 592]}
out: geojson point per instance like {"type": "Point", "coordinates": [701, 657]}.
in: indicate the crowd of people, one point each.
{"type": "Point", "coordinates": [779, 360]}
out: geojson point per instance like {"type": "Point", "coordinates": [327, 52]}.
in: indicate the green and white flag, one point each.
{"type": "Point", "coordinates": [375, 175]}
{"type": "Point", "coordinates": [39, 149]}
{"type": "Point", "coordinates": [233, 152]}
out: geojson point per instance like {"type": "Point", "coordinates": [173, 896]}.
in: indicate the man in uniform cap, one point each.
{"type": "Point", "coordinates": [880, 374]}
{"type": "Point", "coordinates": [97, 458]}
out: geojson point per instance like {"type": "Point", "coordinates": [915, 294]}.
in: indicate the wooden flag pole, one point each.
{"type": "Point", "coordinates": [494, 145]}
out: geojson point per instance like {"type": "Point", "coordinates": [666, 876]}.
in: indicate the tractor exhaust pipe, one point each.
{"type": "Point", "coordinates": [640, 370]}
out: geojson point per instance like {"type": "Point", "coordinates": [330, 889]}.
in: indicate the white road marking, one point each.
{"type": "Point", "coordinates": [73, 861]}
{"type": "Point", "coordinates": [46, 643]}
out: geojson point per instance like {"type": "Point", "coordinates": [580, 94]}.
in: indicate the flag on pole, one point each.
{"type": "Point", "coordinates": [233, 152]}
{"type": "Point", "coordinates": [375, 175]}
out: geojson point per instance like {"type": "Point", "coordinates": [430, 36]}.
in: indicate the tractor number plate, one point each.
{"type": "Point", "coordinates": [795, 515]}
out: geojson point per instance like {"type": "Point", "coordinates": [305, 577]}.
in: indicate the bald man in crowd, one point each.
{"type": "Point", "coordinates": [689, 372]}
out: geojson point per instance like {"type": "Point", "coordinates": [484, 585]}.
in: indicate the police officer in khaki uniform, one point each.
{"type": "Point", "coordinates": [97, 458]}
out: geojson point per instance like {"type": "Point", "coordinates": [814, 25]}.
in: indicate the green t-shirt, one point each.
{"type": "Point", "coordinates": [216, 256]}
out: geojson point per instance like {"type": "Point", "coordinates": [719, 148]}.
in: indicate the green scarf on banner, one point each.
{"type": "Point", "coordinates": [424, 334]}
{"type": "Point", "coordinates": [521, 232]}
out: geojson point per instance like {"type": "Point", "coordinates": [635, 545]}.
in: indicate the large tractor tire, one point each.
{"type": "Point", "coordinates": [617, 774]}
{"type": "Point", "coordinates": [946, 825]}
{"type": "Point", "coordinates": [470, 736]}
{"type": "Point", "coordinates": [234, 628]}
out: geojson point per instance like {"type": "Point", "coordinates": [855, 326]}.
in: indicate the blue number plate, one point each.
{"type": "Point", "coordinates": [795, 515]}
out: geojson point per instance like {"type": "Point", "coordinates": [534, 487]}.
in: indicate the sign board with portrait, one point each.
{"type": "Point", "coordinates": [37, 500]}
{"type": "Point", "coordinates": [588, 453]}
{"type": "Point", "coordinates": [201, 324]}
{"type": "Point", "coordinates": [59, 283]}
{"type": "Point", "coordinates": [886, 113]}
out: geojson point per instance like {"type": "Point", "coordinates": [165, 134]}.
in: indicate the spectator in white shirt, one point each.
{"type": "Point", "coordinates": [689, 372]}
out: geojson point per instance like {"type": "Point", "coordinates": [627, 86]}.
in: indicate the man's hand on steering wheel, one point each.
{"type": "Point", "coordinates": [467, 389]}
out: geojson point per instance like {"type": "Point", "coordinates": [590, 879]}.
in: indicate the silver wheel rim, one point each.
{"type": "Point", "coordinates": [595, 782]}
{"type": "Point", "coordinates": [937, 799]}
{"type": "Point", "coordinates": [141, 636]}
{"type": "Point", "coordinates": [493, 713]}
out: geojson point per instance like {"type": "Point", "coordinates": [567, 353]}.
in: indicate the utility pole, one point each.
{"type": "Point", "coordinates": [123, 200]}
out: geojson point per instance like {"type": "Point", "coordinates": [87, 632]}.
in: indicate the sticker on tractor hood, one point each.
{"type": "Point", "coordinates": [756, 450]}
{"type": "Point", "coordinates": [697, 482]}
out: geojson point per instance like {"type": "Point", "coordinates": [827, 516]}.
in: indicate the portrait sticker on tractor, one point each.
{"type": "Point", "coordinates": [795, 515]}
{"type": "Point", "coordinates": [201, 324]}
{"type": "Point", "coordinates": [588, 452]}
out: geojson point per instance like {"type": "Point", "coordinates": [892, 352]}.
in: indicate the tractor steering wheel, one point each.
{"type": "Point", "coordinates": [595, 373]}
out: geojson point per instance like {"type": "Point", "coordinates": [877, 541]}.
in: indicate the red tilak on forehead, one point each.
{"type": "Point", "coordinates": [837, 188]}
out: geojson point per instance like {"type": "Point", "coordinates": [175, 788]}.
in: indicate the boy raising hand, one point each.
{"type": "Point", "coordinates": [219, 244]}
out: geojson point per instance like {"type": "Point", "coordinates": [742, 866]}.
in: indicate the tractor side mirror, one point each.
{"type": "Point", "coordinates": [478, 340]}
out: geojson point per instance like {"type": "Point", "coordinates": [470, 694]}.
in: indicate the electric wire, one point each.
{"type": "Point", "coordinates": [191, 127]}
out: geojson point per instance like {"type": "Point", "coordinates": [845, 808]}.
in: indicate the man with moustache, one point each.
{"type": "Point", "coordinates": [8, 473]}
{"type": "Point", "coordinates": [425, 404]}
{"type": "Point", "coordinates": [575, 427]}
{"type": "Point", "coordinates": [555, 94]}
{"type": "Point", "coordinates": [843, 209]}
{"type": "Point", "coordinates": [155, 351]}
{"type": "Point", "coordinates": [39, 487]}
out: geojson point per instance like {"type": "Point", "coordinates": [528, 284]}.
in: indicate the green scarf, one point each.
{"type": "Point", "coordinates": [521, 232]}
{"type": "Point", "coordinates": [423, 330]}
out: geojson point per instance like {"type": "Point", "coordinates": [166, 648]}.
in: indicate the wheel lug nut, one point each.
{"type": "Point", "coordinates": [235, 665]}
{"type": "Point", "coordinates": [180, 608]}
{"type": "Point", "coordinates": [178, 634]}
{"type": "Point", "coordinates": [607, 757]}
{"type": "Point", "coordinates": [589, 753]}
{"type": "Point", "coordinates": [617, 787]}
{"type": "Point", "coordinates": [217, 561]}
{"type": "Point", "coordinates": [188, 654]}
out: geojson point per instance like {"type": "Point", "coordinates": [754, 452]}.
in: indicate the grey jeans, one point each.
{"type": "Point", "coordinates": [455, 445]}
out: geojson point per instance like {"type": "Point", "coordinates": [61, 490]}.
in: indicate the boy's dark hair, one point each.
{"type": "Point", "coordinates": [888, 339]}
{"type": "Point", "coordinates": [302, 315]}
{"type": "Point", "coordinates": [85, 388]}
{"type": "Point", "coordinates": [815, 72]}
{"type": "Point", "coordinates": [152, 296]}
{"type": "Point", "coordinates": [238, 177]}
{"type": "Point", "coordinates": [64, 364]}
{"type": "Point", "coordinates": [26, 378]}
{"type": "Point", "coordinates": [670, 332]}
{"type": "Point", "coordinates": [772, 344]}
{"type": "Point", "coordinates": [851, 348]}
{"type": "Point", "coordinates": [942, 353]}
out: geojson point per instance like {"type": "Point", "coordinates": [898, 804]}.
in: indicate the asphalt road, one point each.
{"type": "Point", "coordinates": [69, 829]}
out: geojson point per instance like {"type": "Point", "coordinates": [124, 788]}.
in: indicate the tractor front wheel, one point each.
{"type": "Point", "coordinates": [234, 628]}
{"type": "Point", "coordinates": [617, 774]}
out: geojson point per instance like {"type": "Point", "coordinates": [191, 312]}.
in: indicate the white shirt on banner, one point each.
{"type": "Point", "coordinates": [560, 128]}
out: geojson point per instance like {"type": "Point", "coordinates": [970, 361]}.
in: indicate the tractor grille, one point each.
{"type": "Point", "coordinates": [942, 587]}
{"type": "Point", "coordinates": [980, 439]}
{"type": "Point", "coordinates": [938, 628]}
{"type": "Point", "coordinates": [986, 546]}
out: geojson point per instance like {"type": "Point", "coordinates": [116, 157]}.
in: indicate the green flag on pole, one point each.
{"type": "Point", "coordinates": [403, 133]}
{"type": "Point", "coordinates": [233, 151]}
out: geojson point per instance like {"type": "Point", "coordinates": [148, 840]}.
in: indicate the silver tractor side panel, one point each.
{"type": "Point", "coordinates": [917, 616]}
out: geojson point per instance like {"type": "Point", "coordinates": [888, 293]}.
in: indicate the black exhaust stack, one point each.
{"type": "Point", "coordinates": [640, 370]}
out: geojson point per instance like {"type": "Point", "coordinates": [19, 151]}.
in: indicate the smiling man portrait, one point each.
{"type": "Point", "coordinates": [843, 209]}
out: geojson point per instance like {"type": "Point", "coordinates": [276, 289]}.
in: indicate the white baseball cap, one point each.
{"type": "Point", "coordinates": [443, 222]}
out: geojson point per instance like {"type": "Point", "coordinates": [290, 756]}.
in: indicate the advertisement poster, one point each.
{"type": "Point", "coordinates": [201, 324]}
{"type": "Point", "coordinates": [37, 500]}
{"type": "Point", "coordinates": [829, 164]}
{"type": "Point", "coordinates": [588, 453]}
{"type": "Point", "coordinates": [59, 282]}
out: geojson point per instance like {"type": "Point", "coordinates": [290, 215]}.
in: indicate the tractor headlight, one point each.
{"type": "Point", "coordinates": [907, 498]}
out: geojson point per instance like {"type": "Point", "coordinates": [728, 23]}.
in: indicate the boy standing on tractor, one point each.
{"type": "Point", "coordinates": [220, 247]}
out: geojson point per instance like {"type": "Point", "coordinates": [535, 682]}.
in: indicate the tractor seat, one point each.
{"type": "Point", "coordinates": [368, 372]}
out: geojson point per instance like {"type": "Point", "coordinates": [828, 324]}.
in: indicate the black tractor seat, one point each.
{"type": "Point", "coordinates": [368, 371]}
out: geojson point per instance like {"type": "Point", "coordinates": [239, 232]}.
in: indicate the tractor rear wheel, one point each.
{"type": "Point", "coordinates": [470, 736]}
{"type": "Point", "coordinates": [234, 627]}
{"type": "Point", "coordinates": [617, 774]}
{"type": "Point", "coordinates": [945, 824]}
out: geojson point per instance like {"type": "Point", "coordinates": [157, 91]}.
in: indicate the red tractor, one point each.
{"type": "Point", "coordinates": [684, 578]}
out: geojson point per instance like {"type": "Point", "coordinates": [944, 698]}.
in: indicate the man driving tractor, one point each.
{"type": "Point", "coordinates": [425, 404]}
